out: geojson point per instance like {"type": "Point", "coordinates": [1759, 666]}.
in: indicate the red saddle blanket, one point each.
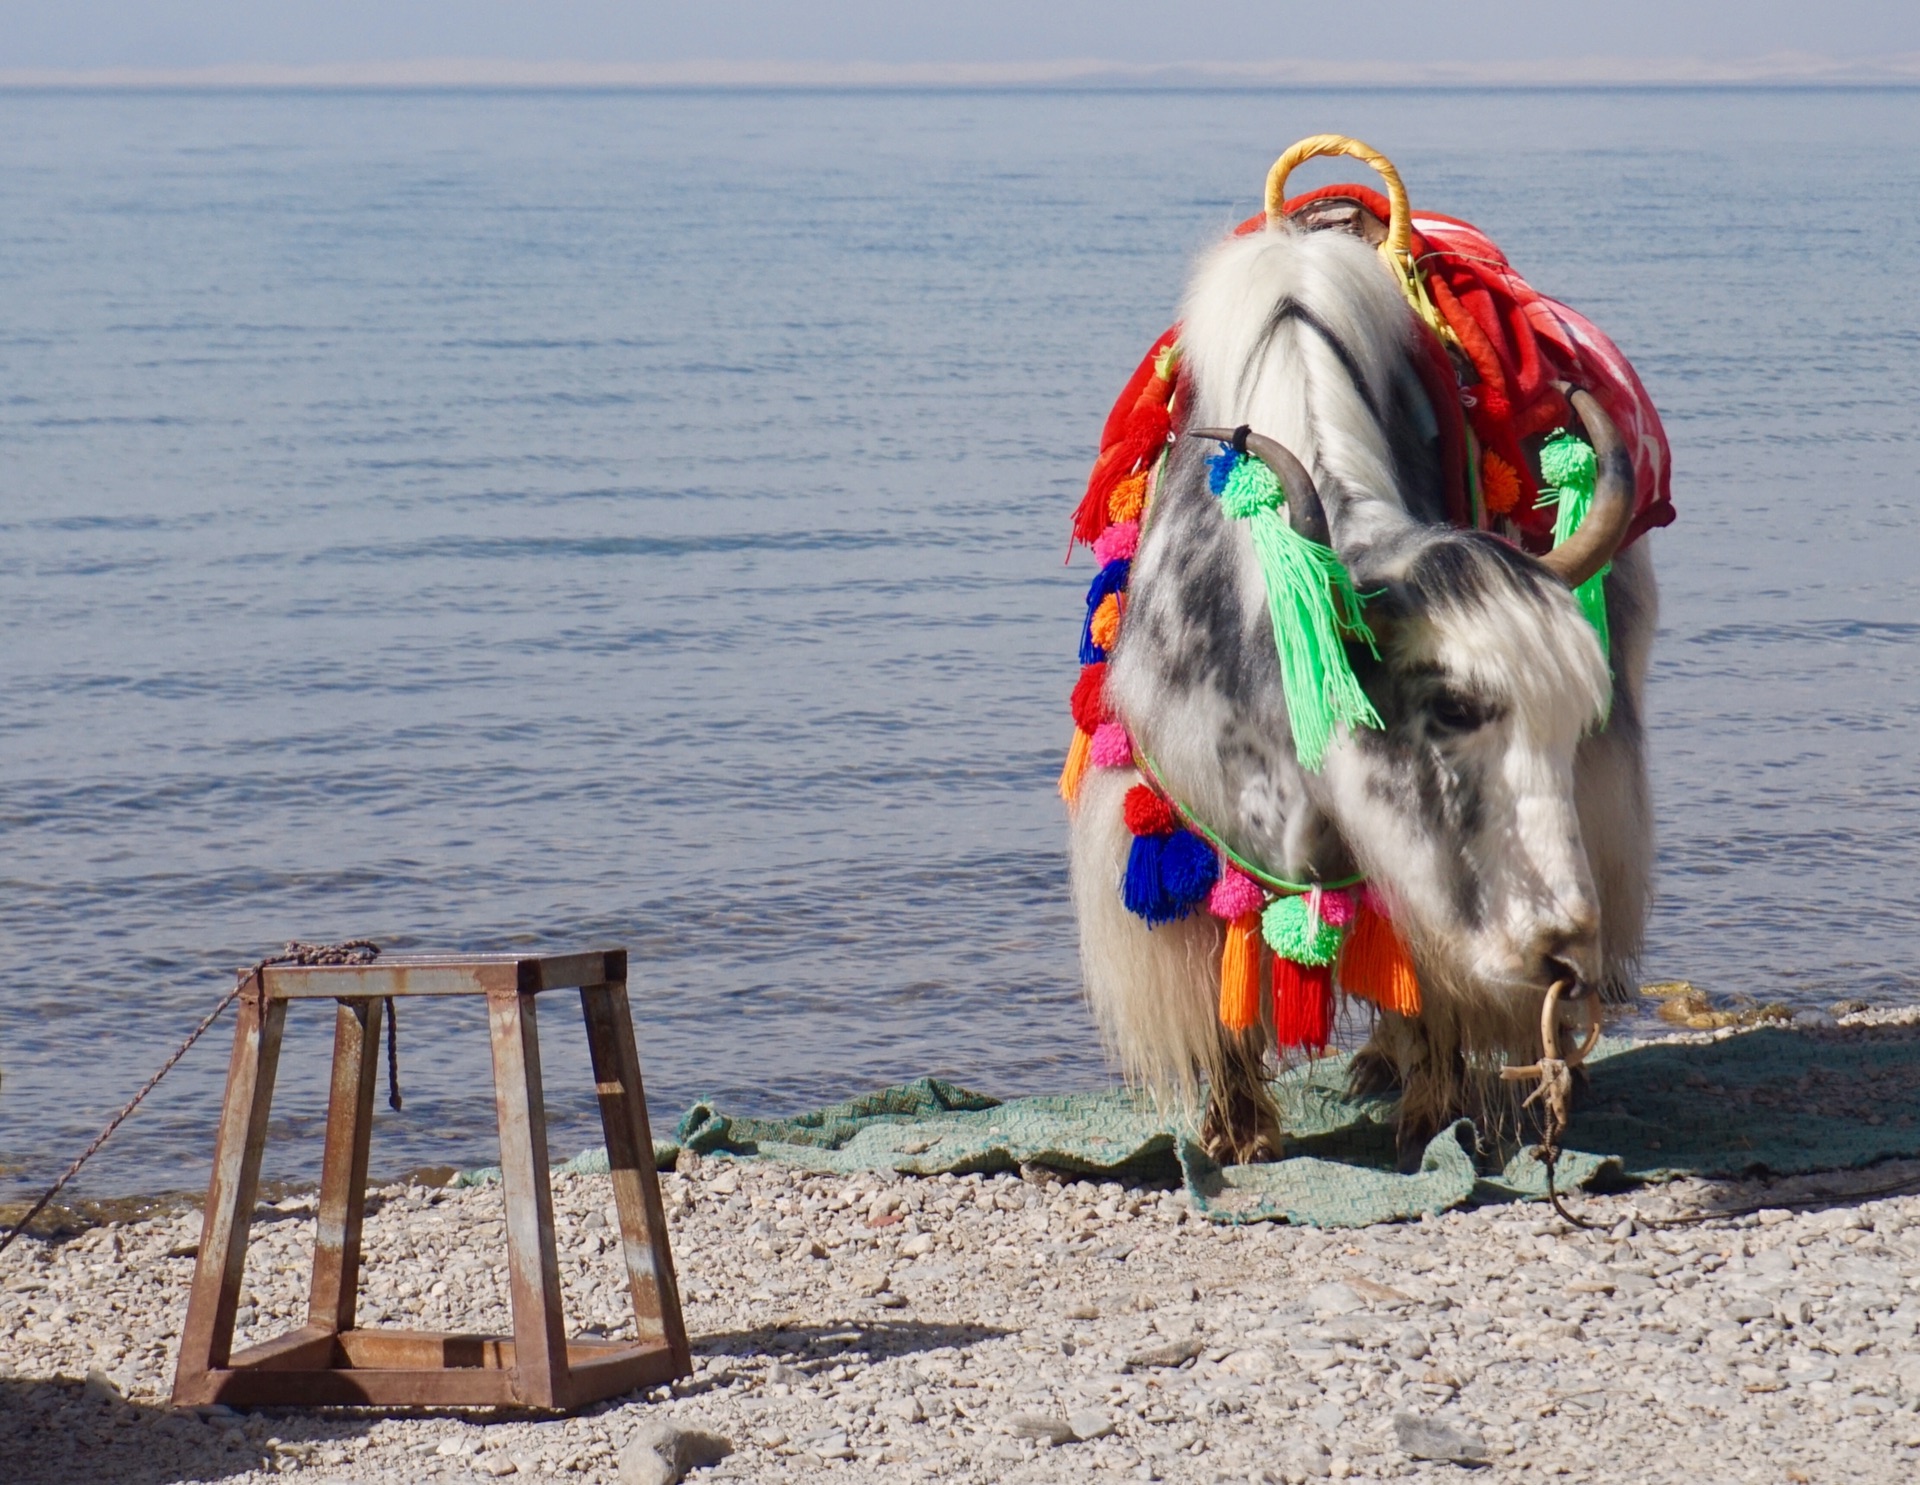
{"type": "Point", "coordinates": [1514, 343]}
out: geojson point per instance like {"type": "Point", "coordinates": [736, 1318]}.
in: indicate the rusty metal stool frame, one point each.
{"type": "Point", "coordinates": [331, 1361]}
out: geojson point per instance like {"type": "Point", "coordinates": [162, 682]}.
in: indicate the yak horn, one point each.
{"type": "Point", "coordinates": [1304, 511]}
{"type": "Point", "coordinates": [1592, 547]}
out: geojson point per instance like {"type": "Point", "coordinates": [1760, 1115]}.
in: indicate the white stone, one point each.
{"type": "Point", "coordinates": [662, 1452]}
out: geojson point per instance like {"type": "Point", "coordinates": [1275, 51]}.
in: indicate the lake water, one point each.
{"type": "Point", "coordinates": [484, 521]}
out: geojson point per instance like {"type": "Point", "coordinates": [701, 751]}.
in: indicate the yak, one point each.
{"type": "Point", "coordinates": [1502, 807]}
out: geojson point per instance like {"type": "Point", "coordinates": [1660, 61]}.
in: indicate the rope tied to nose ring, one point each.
{"type": "Point", "coordinates": [1555, 1091]}
{"type": "Point", "coordinates": [1554, 1094]}
{"type": "Point", "coordinates": [352, 951]}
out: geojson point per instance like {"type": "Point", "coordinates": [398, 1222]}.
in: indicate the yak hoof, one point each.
{"type": "Point", "coordinates": [1245, 1131]}
{"type": "Point", "coordinates": [1411, 1140]}
{"type": "Point", "coordinates": [1372, 1075]}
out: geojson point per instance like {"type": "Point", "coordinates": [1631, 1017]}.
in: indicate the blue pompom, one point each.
{"type": "Point", "coordinates": [1110, 579]}
{"type": "Point", "coordinates": [1219, 467]}
{"type": "Point", "coordinates": [1188, 868]}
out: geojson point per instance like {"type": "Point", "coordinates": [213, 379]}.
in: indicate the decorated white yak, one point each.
{"type": "Point", "coordinates": [1361, 710]}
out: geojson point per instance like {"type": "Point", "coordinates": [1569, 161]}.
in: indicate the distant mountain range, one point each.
{"type": "Point", "coordinates": [1781, 69]}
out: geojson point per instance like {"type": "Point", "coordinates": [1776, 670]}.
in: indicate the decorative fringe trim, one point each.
{"type": "Point", "coordinates": [1376, 965]}
{"type": "Point", "coordinates": [1240, 973]}
{"type": "Point", "coordinates": [1302, 1005]}
{"type": "Point", "coordinates": [1079, 755]}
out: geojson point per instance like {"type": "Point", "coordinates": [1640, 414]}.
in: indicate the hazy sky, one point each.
{"type": "Point", "coordinates": [197, 33]}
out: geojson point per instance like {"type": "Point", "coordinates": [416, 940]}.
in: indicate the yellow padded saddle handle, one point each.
{"type": "Point", "coordinates": [1398, 247]}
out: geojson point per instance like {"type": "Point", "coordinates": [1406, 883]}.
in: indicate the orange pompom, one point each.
{"type": "Point", "coordinates": [1106, 622]}
{"type": "Point", "coordinates": [1129, 498]}
{"type": "Point", "coordinates": [1499, 484]}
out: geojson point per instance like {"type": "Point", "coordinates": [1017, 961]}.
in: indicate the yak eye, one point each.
{"type": "Point", "coordinates": [1452, 712]}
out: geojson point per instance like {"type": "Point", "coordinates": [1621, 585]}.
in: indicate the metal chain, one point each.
{"type": "Point", "coordinates": [353, 951]}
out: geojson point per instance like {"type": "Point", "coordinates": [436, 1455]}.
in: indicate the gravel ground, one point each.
{"type": "Point", "coordinates": [999, 1328]}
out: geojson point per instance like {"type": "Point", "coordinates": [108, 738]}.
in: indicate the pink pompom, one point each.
{"type": "Point", "coordinates": [1235, 895]}
{"type": "Point", "coordinates": [1116, 542]}
{"type": "Point", "coordinates": [1336, 908]}
{"type": "Point", "coordinates": [1112, 748]}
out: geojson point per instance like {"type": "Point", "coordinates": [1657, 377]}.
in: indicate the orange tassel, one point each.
{"type": "Point", "coordinates": [1240, 973]}
{"type": "Point", "coordinates": [1079, 755]}
{"type": "Point", "coordinates": [1302, 1004]}
{"type": "Point", "coordinates": [1105, 631]}
{"type": "Point", "coordinates": [1376, 966]}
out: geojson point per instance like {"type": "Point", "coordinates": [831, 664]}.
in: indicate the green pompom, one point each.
{"type": "Point", "coordinates": [1251, 487]}
{"type": "Point", "coordinates": [1568, 463]}
{"type": "Point", "coordinates": [1285, 927]}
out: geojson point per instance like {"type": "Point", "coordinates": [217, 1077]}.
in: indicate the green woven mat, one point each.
{"type": "Point", "coordinates": [1771, 1101]}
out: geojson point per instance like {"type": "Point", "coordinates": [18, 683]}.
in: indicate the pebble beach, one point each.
{"type": "Point", "coordinates": [1035, 1327]}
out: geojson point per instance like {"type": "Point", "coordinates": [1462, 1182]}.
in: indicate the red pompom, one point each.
{"type": "Point", "coordinates": [1089, 704]}
{"type": "Point", "coordinates": [1146, 813]}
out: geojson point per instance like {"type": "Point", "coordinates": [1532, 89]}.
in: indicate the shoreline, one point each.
{"type": "Point", "coordinates": [874, 1327]}
{"type": "Point", "coordinates": [69, 1219]}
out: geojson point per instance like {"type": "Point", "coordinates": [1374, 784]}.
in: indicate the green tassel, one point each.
{"type": "Point", "coordinates": [1314, 608]}
{"type": "Point", "coordinates": [1568, 465]}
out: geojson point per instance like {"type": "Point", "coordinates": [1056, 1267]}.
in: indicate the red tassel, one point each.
{"type": "Point", "coordinates": [1376, 966]}
{"type": "Point", "coordinates": [1302, 1005]}
{"type": "Point", "coordinates": [1146, 432]}
{"type": "Point", "coordinates": [1240, 973]}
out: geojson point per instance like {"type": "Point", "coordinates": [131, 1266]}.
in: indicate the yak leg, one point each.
{"type": "Point", "coordinates": [1444, 1064]}
{"type": "Point", "coordinates": [1242, 1123]}
{"type": "Point", "coordinates": [1154, 992]}
{"type": "Point", "coordinates": [1427, 1066]}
